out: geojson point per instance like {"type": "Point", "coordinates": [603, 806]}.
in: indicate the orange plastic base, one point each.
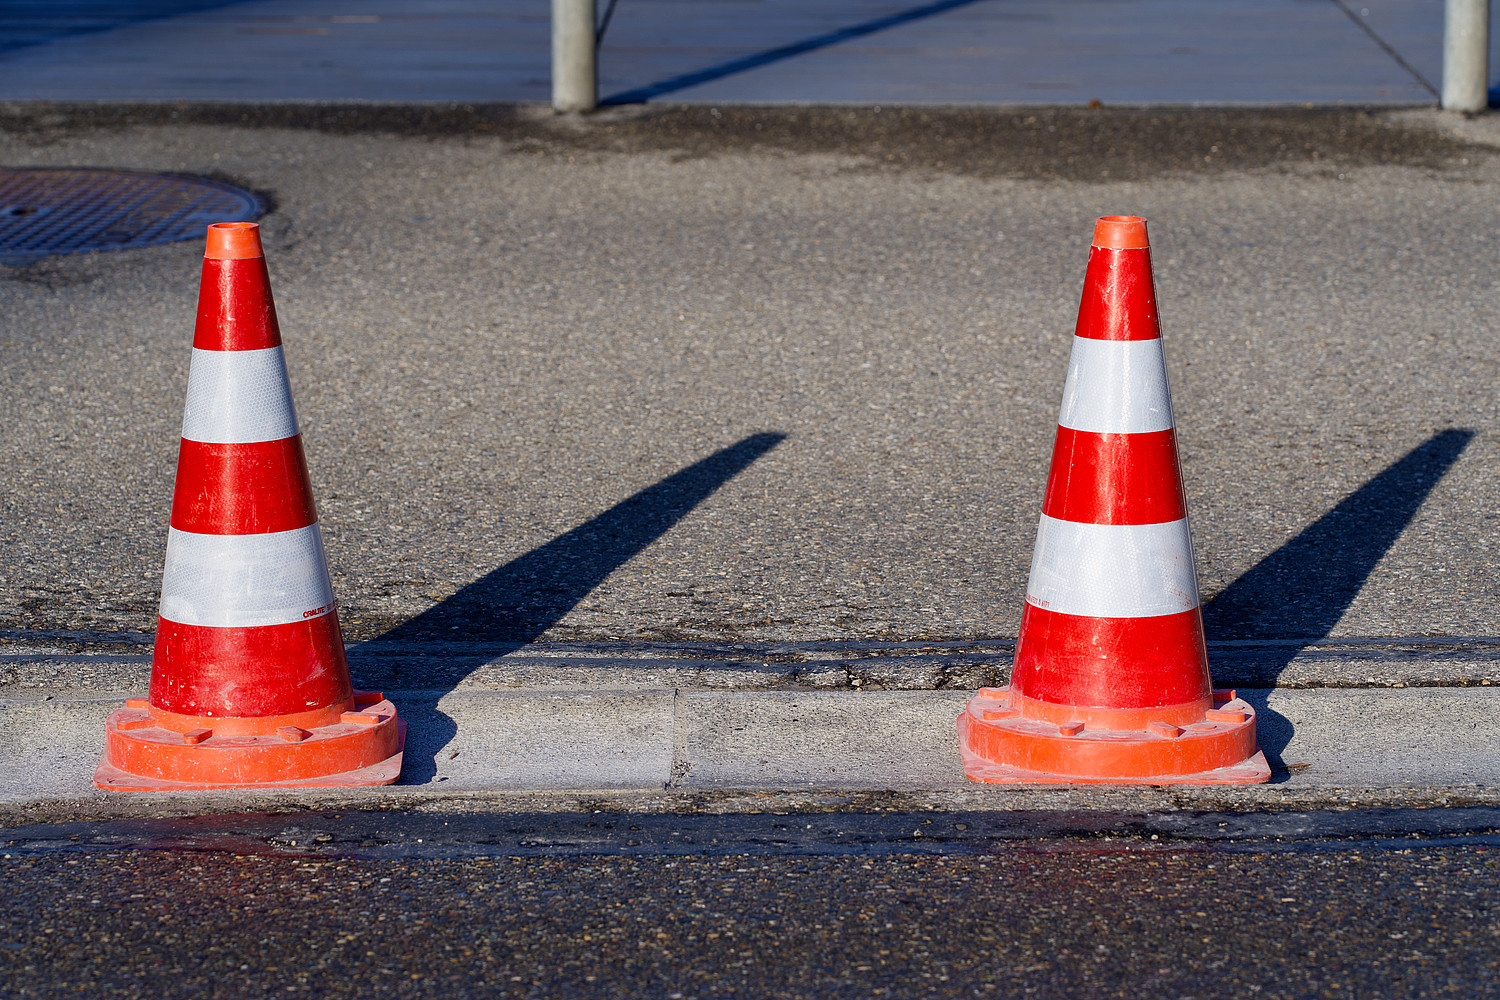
{"type": "Point", "coordinates": [1002, 743]}
{"type": "Point", "coordinates": [150, 750]}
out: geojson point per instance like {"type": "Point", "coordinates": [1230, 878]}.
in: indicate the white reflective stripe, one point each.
{"type": "Point", "coordinates": [1116, 387]}
{"type": "Point", "coordinates": [1113, 570]}
{"type": "Point", "coordinates": [237, 580]}
{"type": "Point", "coordinates": [237, 397]}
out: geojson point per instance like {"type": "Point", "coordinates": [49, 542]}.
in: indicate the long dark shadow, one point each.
{"type": "Point", "coordinates": [513, 605]}
{"type": "Point", "coordinates": [517, 602]}
{"type": "Point", "coordinates": [1301, 590]}
{"type": "Point", "coordinates": [640, 95]}
{"type": "Point", "coordinates": [24, 23]}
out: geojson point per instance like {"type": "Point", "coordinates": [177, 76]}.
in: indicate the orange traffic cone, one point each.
{"type": "Point", "coordinates": [1111, 679]}
{"type": "Point", "coordinates": [249, 685]}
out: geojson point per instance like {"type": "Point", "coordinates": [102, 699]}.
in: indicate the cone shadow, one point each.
{"type": "Point", "coordinates": [1303, 588]}
{"type": "Point", "coordinates": [1273, 731]}
{"type": "Point", "coordinates": [516, 603]}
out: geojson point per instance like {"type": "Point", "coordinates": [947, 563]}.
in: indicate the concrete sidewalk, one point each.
{"type": "Point", "coordinates": [1018, 52]}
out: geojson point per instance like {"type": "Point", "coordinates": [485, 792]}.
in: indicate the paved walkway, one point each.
{"type": "Point", "coordinates": [1247, 52]}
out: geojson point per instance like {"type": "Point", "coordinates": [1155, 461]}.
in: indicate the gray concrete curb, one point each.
{"type": "Point", "coordinates": [1413, 746]}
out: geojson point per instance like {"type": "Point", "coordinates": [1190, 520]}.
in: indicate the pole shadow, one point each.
{"type": "Point", "coordinates": [516, 603]}
{"type": "Point", "coordinates": [1304, 587]}
{"type": "Point", "coordinates": [25, 23]}
{"type": "Point", "coordinates": [640, 95]}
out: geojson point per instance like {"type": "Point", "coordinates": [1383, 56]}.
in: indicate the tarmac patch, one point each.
{"type": "Point", "coordinates": [1101, 145]}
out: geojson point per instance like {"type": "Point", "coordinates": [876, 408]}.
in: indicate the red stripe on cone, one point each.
{"type": "Point", "coordinates": [263, 670]}
{"type": "Point", "coordinates": [1114, 478]}
{"type": "Point", "coordinates": [235, 310]}
{"type": "Point", "coordinates": [1119, 299]}
{"type": "Point", "coordinates": [242, 489]}
{"type": "Point", "coordinates": [1111, 662]}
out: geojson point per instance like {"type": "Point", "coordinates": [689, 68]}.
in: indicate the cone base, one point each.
{"type": "Point", "coordinates": [112, 779]}
{"type": "Point", "coordinates": [360, 747]}
{"type": "Point", "coordinates": [1001, 745]}
{"type": "Point", "coordinates": [1254, 771]}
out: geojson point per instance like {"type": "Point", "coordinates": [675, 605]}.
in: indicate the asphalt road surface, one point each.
{"type": "Point", "coordinates": [865, 912]}
{"type": "Point", "coordinates": [741, 377]}
{"type": "Point", "coordinates": [821, 349]}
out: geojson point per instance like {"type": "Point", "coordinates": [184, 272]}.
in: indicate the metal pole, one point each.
{"type": "Point", "coordinates": [1466, 55]}
{"type": "Point", "coordinates": [575, 77]}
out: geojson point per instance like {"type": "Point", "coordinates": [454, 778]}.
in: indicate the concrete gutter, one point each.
{"type": "Point", "coordinates": [121, 662]}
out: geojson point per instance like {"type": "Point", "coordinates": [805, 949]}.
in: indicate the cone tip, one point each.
{"type": "Point", "coordinates": [1121, 232]}
{"type": "Point", "coordinates": [233, 241]}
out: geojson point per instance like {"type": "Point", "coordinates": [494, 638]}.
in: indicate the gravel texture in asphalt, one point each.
{"type": "Point", "coordinates": [775, 375]}
{"type": "Point", "coordinates": [662, 383]}
{"type": "Point", "coordinates": [1037, 143]}
{"type": "Point", "coordinates": [1109, 918]}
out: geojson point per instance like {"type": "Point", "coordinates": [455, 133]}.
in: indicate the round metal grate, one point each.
{"type": "Point", "coordinates": [57, 211]}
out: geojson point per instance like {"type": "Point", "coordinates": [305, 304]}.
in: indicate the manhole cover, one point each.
{"type": "Point", "coordinates": [54, 211]}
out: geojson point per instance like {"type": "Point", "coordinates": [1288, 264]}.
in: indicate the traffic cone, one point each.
{"type": "Point", "coordinates": [249, 685]}
{"type": "Point", "coordinates": [1111, 681]}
